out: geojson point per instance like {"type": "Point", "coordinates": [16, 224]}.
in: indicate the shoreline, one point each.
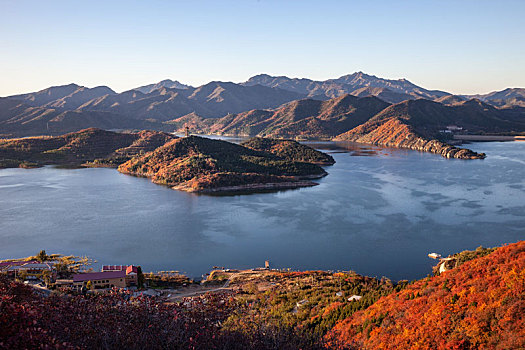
{"type": "Point", "coordinates": [247, 188]}
{"type": "Point", "coordinates": [271, 186]}
{"type": "Point", "coordinates": [445, 149]}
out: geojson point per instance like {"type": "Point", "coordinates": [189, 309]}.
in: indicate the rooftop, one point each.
{"type": "Point", "coordinates": [90, 276]}
{"type": "Point", "coordinates": [131, 269]}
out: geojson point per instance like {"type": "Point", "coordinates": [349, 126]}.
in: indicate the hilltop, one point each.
{"type": "Point", "coordinates": [198, 164]}
{"type": "Point", "coordinates": [68, 96]}
{"type": "Point", "coordinates": [213, 100]}
{"type": "Point", "coordinates": [162, 101]}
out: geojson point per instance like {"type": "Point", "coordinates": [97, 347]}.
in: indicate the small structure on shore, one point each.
{"type": "Point", "coordinates": [355, 298]}
{"type": "Point", "coordinates": [453, 128]}
{"type": "Point", "coordinates": [446, 264]}
{"type": "Point", "coordinates": [187, 131]}
{"type": "Point", "coordinates": [267, 264]}
{"type": "Point", "coordinates": [434, 256]}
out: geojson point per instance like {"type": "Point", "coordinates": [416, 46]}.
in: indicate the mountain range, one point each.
{"type": "Point", "coordinates": [358, 84]}
{"type": "Point", "coordinates": [266, 105]}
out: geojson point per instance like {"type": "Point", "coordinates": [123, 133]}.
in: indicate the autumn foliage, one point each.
{"type": "Point", "coordinates": [109, 321]}
{"type": "Point", "coordinates": [119, 321]}
{"type": "Point", "coordinates": [479, 305]}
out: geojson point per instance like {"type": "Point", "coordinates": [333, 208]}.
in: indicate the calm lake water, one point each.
{"type": "Point", "coordinates": [379, 212]}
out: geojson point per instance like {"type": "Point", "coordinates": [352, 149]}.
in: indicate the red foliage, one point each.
{"type": "Point", "coordinates": [117, 321]}
{"type": "Point", "coordinates": [110, 321]}
{"type": "Point", "coordinates": [478, 305]}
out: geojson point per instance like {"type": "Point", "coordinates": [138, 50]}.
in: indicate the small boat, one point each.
{"type": "Point", "coordinates": [434, 256]}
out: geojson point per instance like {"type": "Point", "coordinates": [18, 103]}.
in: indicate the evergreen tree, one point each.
{"type": "Point", "coordinates": [42, 256]}
{"type": "Point", "coordinates": [140, 277]}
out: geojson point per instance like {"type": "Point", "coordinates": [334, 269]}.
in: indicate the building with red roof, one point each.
{"type": "Point", "coordinates": [100, 280]}
{"type": "Point", "coordinates": [119, 276]}
{"type": "Point", "coordinates": [132, 269]}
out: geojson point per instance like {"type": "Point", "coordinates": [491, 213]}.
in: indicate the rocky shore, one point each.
{"type": "Point", "coordinates": [435, 146]}
{"type": "Point", "coordinates": [394, 133]}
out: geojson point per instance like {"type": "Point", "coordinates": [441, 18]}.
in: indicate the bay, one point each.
{"type": "Point", "coordinates": [379, 212]}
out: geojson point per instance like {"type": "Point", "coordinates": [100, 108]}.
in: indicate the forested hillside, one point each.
{"type": "Point", "coordinates": [478, 305]}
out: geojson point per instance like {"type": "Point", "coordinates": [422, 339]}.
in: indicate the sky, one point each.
{"type": "Point", "coordinates": [463, 46]}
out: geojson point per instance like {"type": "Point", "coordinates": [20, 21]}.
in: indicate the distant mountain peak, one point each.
{"type": "Point", "coordinates": [357, 75]}
{"type": "Point", "coordinates": [166, 83]}
{"type": "Point", "coordinates": [69, 96]}
{"type": "Point", "coordinates": [476, 102]}
{"type": "Point", "coordinates": [66, 85]}
{"type": "Point", "coordinates": [262, 75]}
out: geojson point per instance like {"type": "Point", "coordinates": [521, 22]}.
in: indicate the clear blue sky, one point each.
{"type": "Point", "coordinates": [463, 46]}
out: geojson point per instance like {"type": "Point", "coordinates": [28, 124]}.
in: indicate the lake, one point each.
{"type": "Point", "coordinates": [379, 212]}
